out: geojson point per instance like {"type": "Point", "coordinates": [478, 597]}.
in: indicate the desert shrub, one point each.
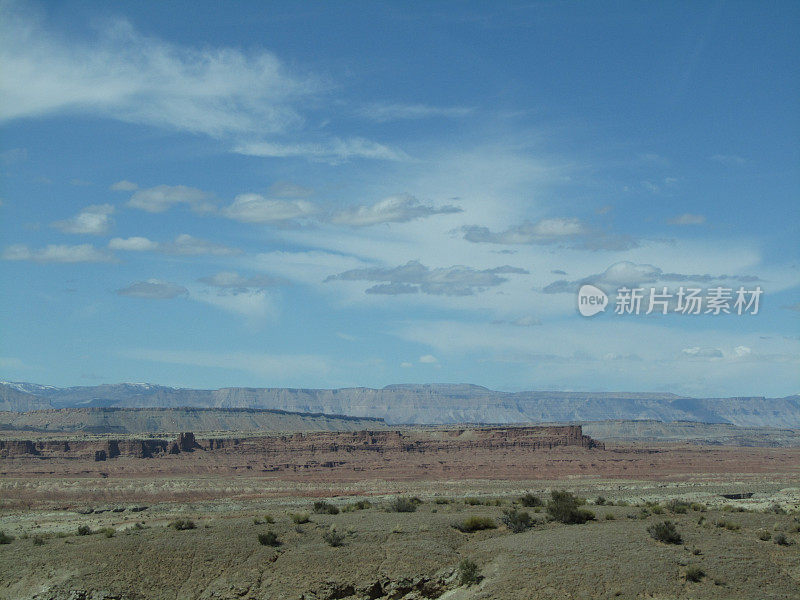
{"type": "Point", "coordinates": [473, 501]}
{"type": "Point", "coordinates": [269, 538]}
{"type": "Point", "coordinates": [657, 509]}
{"type": "Point", "coordinates": [468, 573]}
{"type": "Point", "coordinates": [84, 530]}
{"type": "Point", "coordinates": [610, 517]}
{"type": "Point", "coordinates": [404, 505]}
{"type": "Point", "coordinates": [333, 537]}
{"type": "Point", "coordinates": [600, 501]}
{"type": "Point", "coordinates": [109, 532]}
{"type": "Point", "coordinates": [623, 503]}
{"type": "Point", "coordinates": [472, 524]}
{"type": "Point", "coordinates": [182, 524]}
{"type": "Point", "coordinates": [530, 500]}
{"type": "Point", "coordinates": [61, 534]}
{"type": "Point", "coordinates": [269, 519]}
{"type": "Point", "coordinates": [354, 506]}
{"type": "Point", "coordinates": [325, 508]}
{"type": "Point", "coordinates": [665, 532]}
{"type": "Point", "coordinates": [775, 509]}
{"type": "Point", "coordinates": [442, 500]}
{"type": "Point", "coordinates": [5, 538]}
{"type": "Point", "coordinates": [698, 507]}
{"type": "Point", "coordinates": [38, 540]}
{"type": "Point", "coordinates": [300, 518]}
{"type": "Point", "coordinates": [764, 535]}
{"type": "Point", "coordinates": [563, 507]}
{"type": "Point", "coordinates": [257, 521]}
{"type": "Point", "coordinates": [516, 521]}
{"type": "Point", "coordinates": [695, 574]}
{"type": "Point", "coordinates": [729, 525]}
{"type": "Point", "coordinates": [678, 507]}
{"type": "Point", "coordinates": [782, 540]}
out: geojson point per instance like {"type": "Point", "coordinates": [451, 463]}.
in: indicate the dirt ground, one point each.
{"type": "Point", "coordinates": [133, 553]}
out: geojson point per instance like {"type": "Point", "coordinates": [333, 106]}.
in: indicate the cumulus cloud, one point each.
{"type": "Point", "coordinates": [57, 253]}
{"type": "Point", "coordinates": [687, 219]}
{"type": "Point", "coordinates": [570, 232]}
{"type": "Point", "coordinates": [255, 208]}
{"type": "Point", "coordinates": [154, 289]}
{"type": "Point", "coordinates": [163, 197]}
{"type": "Point", "coordinates": [124, 186]}
{"type": "Point", "coordinates": [414, 276]}
{"type": "Point", "coordinates": [94, 220]}
{"type": "Point", "coordinates": [184, 244]}
{"type": "Point", "coordinates": [133, 244]}
{"type": "Point", "coordinates": [253, 304]}
{"type": "Point", "coordinates": [234, 281]}
{"type": "Point", "coordinates": [702, 352]}
{"type": "Point", "coordinates": [628, 274]}
{"type": "Point", "coordinates": [381, 113]}
{"type": "Point", "coordinates": [394, 209]}
{"type": "Point", "coordinates": [428, 359]}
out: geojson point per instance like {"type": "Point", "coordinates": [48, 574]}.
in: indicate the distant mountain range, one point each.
{"type": "Point", "coordinates": [420, 404]}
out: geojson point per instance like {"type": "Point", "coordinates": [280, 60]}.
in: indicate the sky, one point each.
{"type": "Point", "coordinates": [281, 194]}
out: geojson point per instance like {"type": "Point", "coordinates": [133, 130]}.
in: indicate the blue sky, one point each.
{"type": "Point", "coordinates": [329, 195]}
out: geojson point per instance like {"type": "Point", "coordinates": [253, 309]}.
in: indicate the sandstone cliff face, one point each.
{"type": "Point", "coordinates": [376, 442]}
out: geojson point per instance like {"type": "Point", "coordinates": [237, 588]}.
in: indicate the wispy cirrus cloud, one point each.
{"type": "Point", "coordinates": [92, 220]}
{"type": "Point", "coordinates": [394, 209]}
{"type": "Point", "coordinates": [382, 113]}
{"type": "Point", "coordinates": [332, 150]}
{"type": "Point", "coordinates": [249, 99]}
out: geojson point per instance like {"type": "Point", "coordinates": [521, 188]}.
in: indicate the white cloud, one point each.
{"type": "Point", "coordinates": [333, 150]}
{"type": "Point", "coordinates": [703, 352]}
{"type": "Point", "coordinates": [406, 365]}
{"type": "Point", "coordinates": [124, 75]}
{"type": "Point", "coordinates": [255, 208]}
{"type": "Point", "coordinates": [160, 198]}
{"type": "Point", "coordinates": [133, 244]}
{"type": "Point", "coordinates": [415, 277]}
{"type": "Point", "coordinates": [687, 219]}
{"type": "Point", "coordinates": [188, 245]}
{"type": "Point", "coordinates": [94, 220]}
{"type": "Point", "coordinates": [731, 160]}
{"type": "Point", "coordinates": [395, 209]}
{"type": "Point", "coordinates": [629, 274]}
{"type": "Point", "coordinates": [124, 186]}
{"type": "Point", "coordinates": [57, 253]}
{"type": "Point", "coordinates": [428, 359]}
{"type": "Point", "coordinates": [381, 113]}
{"type": "Point", "coordinates": [153, 289]}
{"type": "Point", "coordinates": [184, 245]}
